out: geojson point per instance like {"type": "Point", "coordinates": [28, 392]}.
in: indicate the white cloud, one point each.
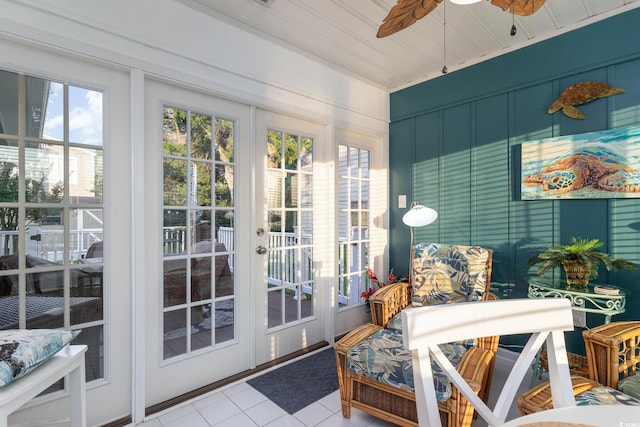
{"type": "Point", "coordinates": [53, 124]}
{"type": "Point", "coordinates": [85, 115]}
{"type": "Point", "coordinates": [85, 121]}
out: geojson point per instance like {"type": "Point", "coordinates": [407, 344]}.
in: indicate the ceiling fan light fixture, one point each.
{"type": "Point", "coordinates": [464, 1]}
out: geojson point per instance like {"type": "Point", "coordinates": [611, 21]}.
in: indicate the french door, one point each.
{"type": "Point", "coordinates": [292, 234]}
{"type": "Point", "coordinates": [63, 192]}
{"type": "Point", "coordinates": [235, 227]}
{"type": "Point", "coordinates": [196, 198]}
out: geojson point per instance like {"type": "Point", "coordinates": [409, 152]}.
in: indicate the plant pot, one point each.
{"type": "Point", "coordinates": [577, 272]}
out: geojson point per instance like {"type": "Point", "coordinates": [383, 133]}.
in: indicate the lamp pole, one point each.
{"type": "Point", "coordinates": [417, 216]}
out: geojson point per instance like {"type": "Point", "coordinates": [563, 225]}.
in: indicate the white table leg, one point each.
{"type": "Point", "coordinates": [77, 397]}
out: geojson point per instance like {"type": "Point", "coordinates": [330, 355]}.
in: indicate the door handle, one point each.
{"type": "Point", "coordinates": [261, 250]}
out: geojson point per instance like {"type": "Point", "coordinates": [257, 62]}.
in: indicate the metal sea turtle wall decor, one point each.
{"type": "Point", "coordinates": [581, 93]}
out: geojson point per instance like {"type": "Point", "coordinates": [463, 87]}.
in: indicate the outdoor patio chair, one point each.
{"type": "Point", "coordinates": [425, 329]}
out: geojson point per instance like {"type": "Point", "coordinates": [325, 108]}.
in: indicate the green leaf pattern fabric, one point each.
{"type": "Point", "coordinates": [382, 357]}
{"type": "Point", "coordinates": [448, 273]}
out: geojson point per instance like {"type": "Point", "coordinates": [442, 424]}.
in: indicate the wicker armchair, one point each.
{"type": "Point", "coordinates": [399, 405]}
{"type": "Point", "coordinates": [613, 355]}
{"type": "Point", "coordinates": [613, 360]}
{"type": "Point", "coordinates": [390, 300]}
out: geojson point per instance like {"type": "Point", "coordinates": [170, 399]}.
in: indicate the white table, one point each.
{"type": "Point", "coordinates": [597, 415]}
{"type": "Point", "coordinates": [68, 361]}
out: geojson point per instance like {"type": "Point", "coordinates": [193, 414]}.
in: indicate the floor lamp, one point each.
{"type": "Point", "coordinates": [417, 216]}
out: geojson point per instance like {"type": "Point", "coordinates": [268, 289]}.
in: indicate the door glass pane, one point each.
{"type": "Point", "coordinates": [306, 191]}
{"type": "Point", "coordinates": [224, 185]}
{"type": "Point", "coordinates": [200, 334]}
{"type": "Point", "coordinates": [45, 173]}
{"type": "Point", "coordinates": [353, 223]}
{"type": "Point", "coordinates": [55, 112]}
{"type": "Point", "coordinates": [85, 116]}
{"type": "Point", "coordinates": [9, 122]}
{"type": "Point", "coordinates": [175, 333]}
{"type": "Point", "coordinates": [291, 190]}
{"type": "Point", "coordinates": [306, 154]}
{"type": "Point", "coordinates": [290, 280]}
{"type": "Point", "coordinates": [200, 136]}
{"type": "Point", "coordinates": [201, 179]}
{"type": "Point", "coordinates": [175, 282]}
{"type": "Point", "coordinates": [224, 140]}
{"type": "Point", "coordinates": [36, 96]}
{"type": "Point", "coordinates": [275, 300]}
{"type": "Point", "coordinates": [290, 153]}
{"type": "Point", "coordinates": [175, 182]}
{"type": "Point", "coordinates": [274, 189]}
{"type": "Point", "coordinates": [224, 316]}
{"type": "Point", "coordinates": [198, 233]}
{"type": "Point", "coordinates": [85, 175]}
{"type": "Point", "coordinates": [174, 231]}
{"type": "Point", "coordinates": [274, 149]}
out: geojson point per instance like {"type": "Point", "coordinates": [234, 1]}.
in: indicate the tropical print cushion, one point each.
{"type": "Point", "coordinates": [22, 350]}
{"type": "Point", "coordinates": [630, 385]}
{"type": "Point", "coordinates": [477, 259]}
{"type": "Point", "coordinates": [448, 273]}
{"type": "Point", "coordinates": [439, 280]}
{"type": "Point", "coordinates": [395, 323]}
{"type": "Point", "coordinates": [382, 357]}
{"type": "Point", "coordinates": [604, 395]}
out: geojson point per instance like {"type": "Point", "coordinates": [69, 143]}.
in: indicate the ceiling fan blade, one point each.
{"type": "Point", "coordinates": [405, 13]}
{"type": "Point", "coordinates": [519, 7]}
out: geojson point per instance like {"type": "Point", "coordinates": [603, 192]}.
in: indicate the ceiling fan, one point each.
{"type": "Point", "coordinates": [407, 12]}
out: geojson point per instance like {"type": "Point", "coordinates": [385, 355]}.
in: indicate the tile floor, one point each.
{"type": "Point", "coordinates": [240, 405]}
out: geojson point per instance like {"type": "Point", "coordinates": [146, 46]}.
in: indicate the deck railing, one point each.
{"type": "Point", "coordinates": [287, 266]}
{"type": "Point", "coordinates": [49, 243]}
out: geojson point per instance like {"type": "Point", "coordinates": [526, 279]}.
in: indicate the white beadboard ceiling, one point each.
{"type": "Point", "coordinates": [342, 33]}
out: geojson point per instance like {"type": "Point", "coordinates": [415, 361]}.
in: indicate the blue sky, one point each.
{"type": "Point", "coordinates": [85, 115]}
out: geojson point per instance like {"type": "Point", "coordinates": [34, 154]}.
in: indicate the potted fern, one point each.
{"type": "Point", "coordinates": [580, 259]}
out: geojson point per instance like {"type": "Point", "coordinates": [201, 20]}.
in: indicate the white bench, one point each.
{"type": "Point", "coordinates": [68, 361]}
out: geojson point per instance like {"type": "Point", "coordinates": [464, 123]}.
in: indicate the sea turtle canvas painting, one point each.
{"type": "Point", "coordinates": [603, 164]}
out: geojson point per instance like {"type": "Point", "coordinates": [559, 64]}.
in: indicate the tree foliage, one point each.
{"type": "Point", "coordinates": [204, 140]}
{"type": "Point", "coordinates": [36, 191]}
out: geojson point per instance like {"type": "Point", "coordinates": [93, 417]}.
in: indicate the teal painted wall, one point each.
{"type": "Point", "coordinates": [455, 146]}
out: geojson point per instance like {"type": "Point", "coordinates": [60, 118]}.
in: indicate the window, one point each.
{"type": "Point", "coordinates": [198, 238]}
{"type": "Point", "coordinates": [289, 188]}
{"type": "Point", "coordinates": [51, 210]}
{"type": "Point", "coordinates": [353, 223]}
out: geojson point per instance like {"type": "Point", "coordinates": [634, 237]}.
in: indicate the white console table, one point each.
{"type": "Point", "coordinates": [68, 361]}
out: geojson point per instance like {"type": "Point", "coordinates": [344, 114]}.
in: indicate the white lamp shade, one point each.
{"type": "Point", "coordinates": [464, 1]}
{"type": "Point", "coordinates": [419, 216]}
